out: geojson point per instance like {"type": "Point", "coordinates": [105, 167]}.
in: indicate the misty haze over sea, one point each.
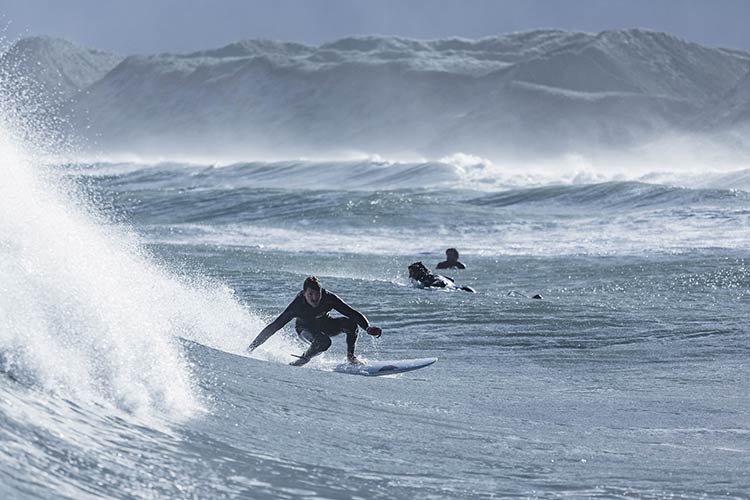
{"type": "Point", "coordinates": [539, 95]}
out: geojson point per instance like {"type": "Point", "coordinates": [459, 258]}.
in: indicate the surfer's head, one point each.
{"type": "Point", "coordinates": [451, 254]}
{"type": "Point", "coordinates": [311, 290]}
{"type": "Point", "coordinates": [418, 271]}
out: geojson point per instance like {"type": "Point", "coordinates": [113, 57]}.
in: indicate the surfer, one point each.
{"type": "Point", "coordinates": [314, 325]}
{"type": "Point", "coordinates": [423, 277]}
{"type": "Point", "coordinates": [451, 260]}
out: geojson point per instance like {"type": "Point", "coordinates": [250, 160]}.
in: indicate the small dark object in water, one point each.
{"type": "Point", "coordinates": [514, 293]}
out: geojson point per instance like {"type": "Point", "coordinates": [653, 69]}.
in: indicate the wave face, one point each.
{"type": "Point", "coordinates": [88, 327]}
{"type": "Point", "coordinates": [631, 366]}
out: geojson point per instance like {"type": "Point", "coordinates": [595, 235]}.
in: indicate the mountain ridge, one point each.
{"type": "Point", "coordinates": [547, 92]}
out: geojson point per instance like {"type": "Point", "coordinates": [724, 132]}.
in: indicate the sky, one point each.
{"type": "Point", "coordinates": [156, 26]}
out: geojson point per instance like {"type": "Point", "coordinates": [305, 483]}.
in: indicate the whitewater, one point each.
{"type": "Point", "coordinates": [130, 289]}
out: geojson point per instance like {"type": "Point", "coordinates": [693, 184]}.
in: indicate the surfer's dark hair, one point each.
{"type": "Point", "coordinates": [452, 251]}
{"type": "Point", "coordinates": [311, 282]}
{"type": "Point", "coordinates": [418, 271]}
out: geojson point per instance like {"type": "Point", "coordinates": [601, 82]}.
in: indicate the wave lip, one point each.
{"type": "Point", "coordinates": [403, 208]}
{"type": "Point", "coordinates": [613, 195]}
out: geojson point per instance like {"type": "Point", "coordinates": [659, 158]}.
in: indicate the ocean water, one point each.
{"type": "Point", "coordinates": [628, 380]}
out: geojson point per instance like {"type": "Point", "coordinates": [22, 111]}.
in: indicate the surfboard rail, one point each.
{"type": "Point", "coordinates": [380, 368]}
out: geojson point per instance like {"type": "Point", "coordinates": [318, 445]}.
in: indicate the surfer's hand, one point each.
{"type": "Point", "coordinates": [374, 331]}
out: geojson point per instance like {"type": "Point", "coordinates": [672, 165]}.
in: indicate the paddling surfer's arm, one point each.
{"type": "Point", "coordinates": [277, 324]}
{"type": "Point", "coordinates": [352, 313]}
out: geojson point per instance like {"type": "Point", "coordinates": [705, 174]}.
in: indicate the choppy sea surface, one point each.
{"type": "Point", "coordinates": [629, 379]}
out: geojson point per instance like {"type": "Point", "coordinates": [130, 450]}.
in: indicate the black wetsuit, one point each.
{"type": "Point", "coordinates": [437, 281]}
{"type": "Point", "coordinates": [315, 325]}
{"type": "Point", "coordinates": [440, 281]}
{"type": "Point", "coordinates": [451, 264]}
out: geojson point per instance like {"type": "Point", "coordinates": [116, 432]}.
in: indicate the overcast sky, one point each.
{"type": "Point", "coordinates": [151, 26]}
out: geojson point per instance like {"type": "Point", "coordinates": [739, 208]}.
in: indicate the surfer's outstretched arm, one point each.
{"type": "Point", "coordinates": [349, 311]}
{"type": "Point", "coordinates": [274, 327]}
{"type": "Point", "coordinates": [357, 316]}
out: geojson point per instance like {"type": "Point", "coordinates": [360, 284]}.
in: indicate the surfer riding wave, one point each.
{"type": "Point", "coordinates": [315, 326]}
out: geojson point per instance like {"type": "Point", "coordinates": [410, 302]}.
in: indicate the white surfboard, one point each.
{"type": "Point", "coordinates": [380, 368]}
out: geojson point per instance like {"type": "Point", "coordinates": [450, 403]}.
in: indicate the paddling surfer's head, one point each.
{"type": "Point", "coordinates": [311, 291]}
{"type": "Point", "coordinates": [418, 271]}
{"type": "Point", "coordinates": [451, 255]}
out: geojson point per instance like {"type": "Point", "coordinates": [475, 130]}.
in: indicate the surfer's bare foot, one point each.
{"type": "Point", "coordinates": [301, 360]}
{"type": "Point", "coordinates": [353, 360]}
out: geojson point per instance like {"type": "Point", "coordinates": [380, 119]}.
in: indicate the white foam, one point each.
{"type": "Point", "coordinates": [85, 312]}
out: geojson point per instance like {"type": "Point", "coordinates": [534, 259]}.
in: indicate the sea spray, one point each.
{"type": "Point", "coordinates": [85, 311]}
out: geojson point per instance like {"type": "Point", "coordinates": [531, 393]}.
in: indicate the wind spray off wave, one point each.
{"type": "Point", "coordinates": [85, 312]}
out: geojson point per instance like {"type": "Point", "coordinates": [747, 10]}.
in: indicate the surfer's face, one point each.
{"type": "Point", "coordinates": [312, 297]}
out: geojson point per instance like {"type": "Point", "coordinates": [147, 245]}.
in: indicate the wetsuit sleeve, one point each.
{"type": "Point", "coordinates": [348, 311]}
{"type": "Point", "coordinates": [436, 281]}
{"type": "Point", "coordinates": [460, 265]}
{"type": "Point", "coordinates": [442, 265]}
{"type": "Point", "coordinates": [277, 324]}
